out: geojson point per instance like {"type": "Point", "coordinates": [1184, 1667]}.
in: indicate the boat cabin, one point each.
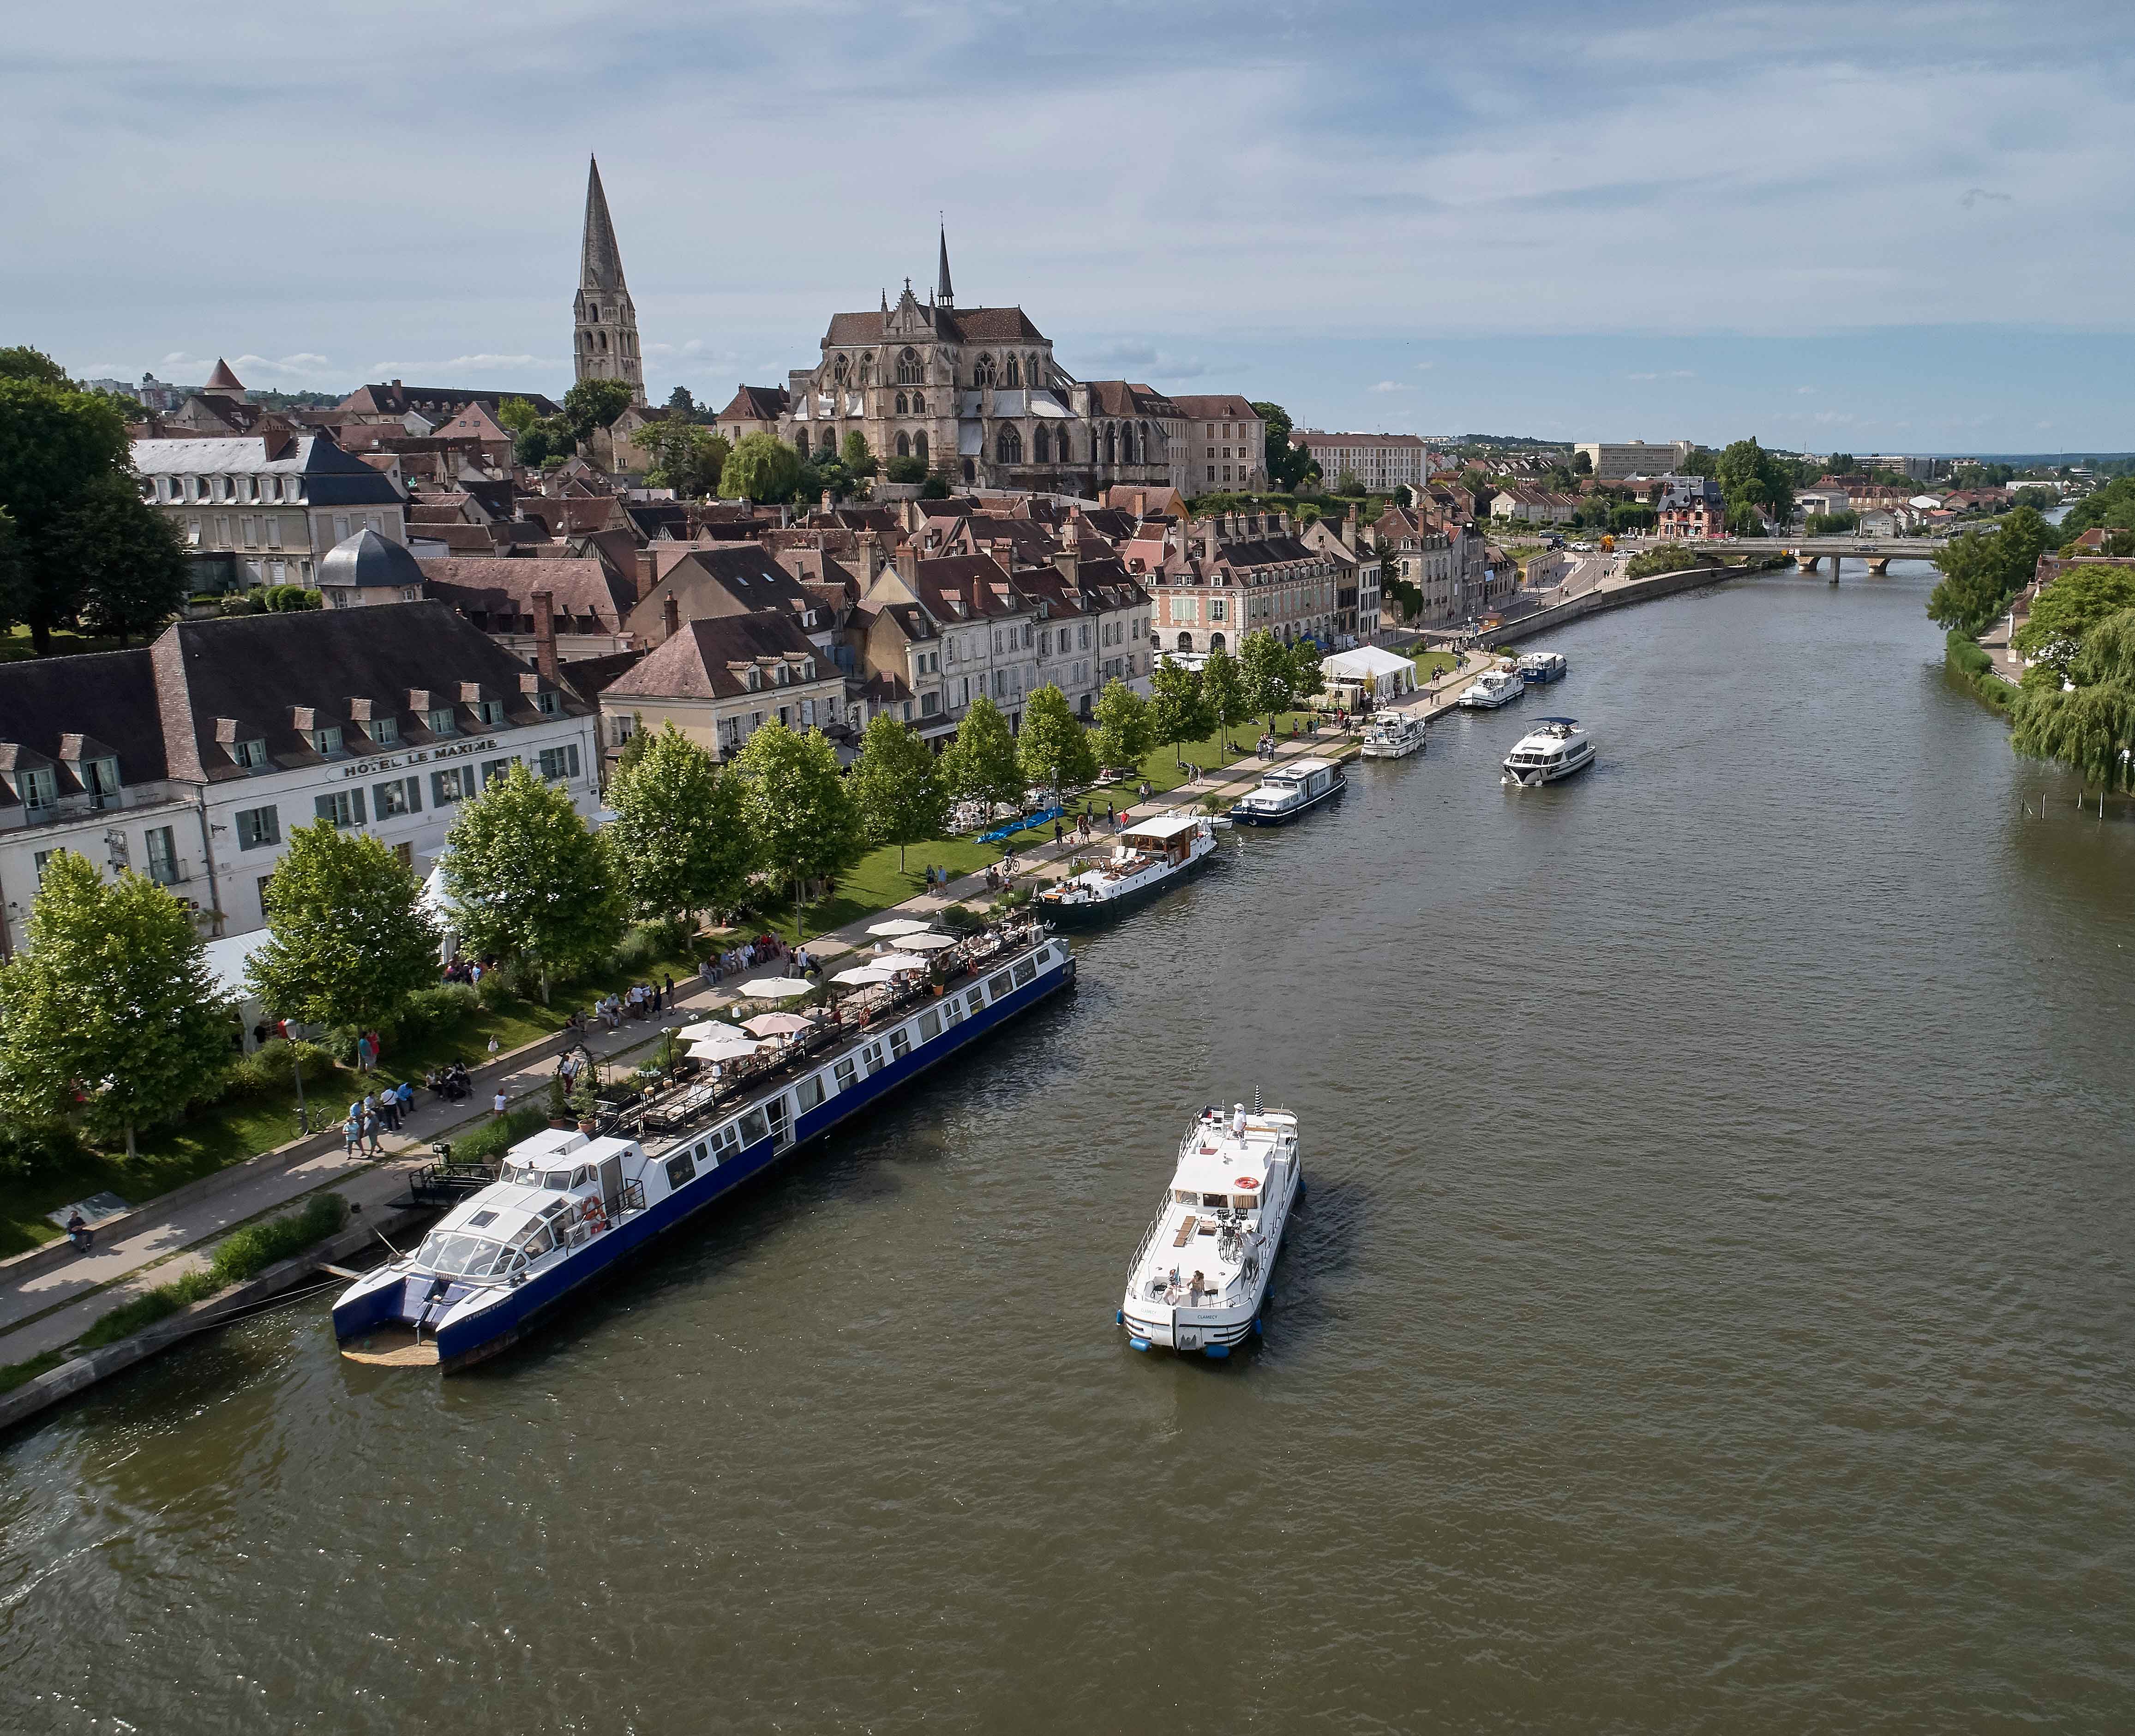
{"type": "Point", "coordinates": [1170, 839]}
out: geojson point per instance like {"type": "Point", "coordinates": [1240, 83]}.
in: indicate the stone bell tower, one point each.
{"type": "Point", "coordinates": [607, 336]}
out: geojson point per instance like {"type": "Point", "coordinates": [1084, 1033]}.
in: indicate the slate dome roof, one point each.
{"type": "Point", "coordinates": [368, 558]}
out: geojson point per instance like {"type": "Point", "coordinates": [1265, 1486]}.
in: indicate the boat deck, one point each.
{"type": "Point", "coordinates": [393, 1347]}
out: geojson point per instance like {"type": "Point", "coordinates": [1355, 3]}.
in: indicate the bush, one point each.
{"type": "Point", "coordinates": [273, 1064]}
{"type": "Point", "coordinates": [428, 1010]}
{"type": "Point", "coordinates": [499, 1134]}
{"type": "Point", "coordinates": [27, 1147]}
{"type": "Point", "coordinates": [647, 944]}
{"type": "Point", "coordinates": [498, 985]}
{"type": "Point", "coordinates": [250, 1251]}
{"type": "Point", "coordinates": [960, 919]}
{"type": "Point", "coordinates": [1964, 655]}
{"type": "Point", "coordinates": [146, 1310]}
{"type": "Point", "coordinates": [1670, 557]}
{"type": "Point", "coordinates": [906, 470]}
{"type": "Point", "coordinates": [233, 606]}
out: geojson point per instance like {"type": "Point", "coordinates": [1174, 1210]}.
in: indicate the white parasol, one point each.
{"type": "Point", "coordinates": [899, 961]}
{"type": "Point", "coordinates": [776, 1024]}
{"type": "Point", "coordinates": [865, 975]}
{"type": "Point", "coordinates": [928, 943]}
{"type": "Point", "coordinates": [704, 1028]}
{"type": "Point", "coordinates": [725, 1048]}
{"type": "Point", "coordinates": [776, 988]}
{"type": "Point", "coordinates": [898, 925]}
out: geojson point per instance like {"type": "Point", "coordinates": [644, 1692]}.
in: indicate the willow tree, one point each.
{"type": "Point", "coordinates": [2088, 727]}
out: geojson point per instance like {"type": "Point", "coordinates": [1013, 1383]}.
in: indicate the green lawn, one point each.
{"type": "Point", "coordinates": [15, 644]}
{"type": "Point", "coordinates": [1431, 663]}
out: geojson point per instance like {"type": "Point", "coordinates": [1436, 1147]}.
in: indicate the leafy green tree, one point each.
{"type": "Point", "coordinates": [1305, 679]}
{"type": "Point", "coordinates": [680, 402]}
{"type": "Point", "coordinates": [19, 361]}
{"type": "Point", "coordinates": [1054, 748]}
{"type": "Point", "coordinates": [858, 460]}
{"type": "Point", "coordinates": [1982, 569]}
{"type": "Point", "coordinates": [803, 820]}
{"type": "Point", "coordinates": [906, 470]}
{"type": "Point", "coordinates": [2090, 729]}
{"type": "Point", "coordinates": [347, 938]}
{"type": "Point", "coordinates": [1265, 664]}
{"type": "Point", "coordinates": [1286, 465]}
{"type": "Point", "coordinates": [1832, 524]}
{"type": "Point", "coordinates": [903, 797]}
{"type": "Point", "coordinates": [1629, 515]}
{"type": "Point", "coordinates": [1122, 717]}
{"type": "Point", "coordinates": [529, 881]}
{"type": "Point", "coordinates": [1582, 464]}
{"type": "Point", "coordinates": [981, 763]}
{"type": "Point", "coordinates": [126, 555]}
{"type": "Point", "coordinates": [679, 834]}
{"type": "Point", "coordinates": [112, 1000]}
{"type": "Point", "coordinates": [1178, 712]}
{"type": "Point", "coordinates": [761, 468]}
{"type": "Point", "coordinates": [682, 455]}
{"type": "Point", "coordinates": [1749, 475]}
{"type": "Point", "coordinates": [2065, 612]}
{"type": "Point", "coordinates": [593, 403]}
{"type": "Point", "coordinates": [1223, 686]}
{"type": "Point", "coordinates": [1839, 464]}
{"type": "Point", "coordinates": [516, 415]}
{"type": "Point", "coordinates": [935, 488]}
{"type": "Point", "coordinates": [2112, 507]}
{"type": "Point", "coordinates": [55, 444]}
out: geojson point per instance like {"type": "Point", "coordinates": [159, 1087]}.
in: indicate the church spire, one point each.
{"type": "Point", "coordinates": [944, 296]}
{"type": "Point", "coordinates": [605, 343]}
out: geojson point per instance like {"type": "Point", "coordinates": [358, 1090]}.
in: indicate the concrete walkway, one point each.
{"type": "Point", "coordinates": [47, 1308]}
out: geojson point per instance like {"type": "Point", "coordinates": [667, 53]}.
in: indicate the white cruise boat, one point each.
{"type": "Point", "coordinates": [1149, 855]}
{"type": "Point", "coordinates": [1555, 748]}
{"type": "Point", "coordinates": [1493, 688]}
{"type": "Point", "coordinates": [1197, 1281]}
{"type": "Point", "coordinates": [1391, 735]}
{"type": "Point", "coordinates": [1289, 790]}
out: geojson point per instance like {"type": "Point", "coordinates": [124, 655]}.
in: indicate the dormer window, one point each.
{"type": "Point", "coordinates": [327, 740]}
{"type": "Point", "coordinates": [250, 754]}
{"type": "Point", "coordinates": [546, 702]}
{"type": "Point", "coordinates": [37, 786]}
{"type": "Point", "coordinates": [490, 711]}
{"type": "Point", "coordinates": [442, 722]}
{"type": "Point", "coordinates": [384, 730]}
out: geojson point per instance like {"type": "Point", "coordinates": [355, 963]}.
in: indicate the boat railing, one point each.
{"type": "Point", "coordinates": [1149, 1237]}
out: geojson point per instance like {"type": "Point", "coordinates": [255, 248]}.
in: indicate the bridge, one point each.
{"type": "Point", "coordinates": [1810, 551]}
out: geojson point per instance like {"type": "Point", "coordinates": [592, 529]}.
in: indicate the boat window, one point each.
{"type": "Point", "coordinates": [996, 987]}
{"type": "Point", "coordinates": [581, 1175]}
{"type": "Point", "coordinates": [556, 1181]}
{"type": "Point", "coordinates": [534, 1240]}
{"type": "Point", "coordinates": [844, 1074]}
{"type": "Point", "coordinates": [952, 1011]}
{"type": "Point", "coordinates": [900, 1041]}
{"type": "Point", "coordinates": [450, 1255]}
{"type": "Point", "coordinates": [726, 1141]}
{"type": "Point", "coordinates": [1025, 971]}
{"type": "Point", "coordinates": [481, 1220]}
{"type": "Point", "coordinates": [520, 1173]}
{"type": "Point", "coordinates": [930, 1025]}
{"type": "Point", "coordinates": [872, 1055]}
{"type": "Point", "coordinates": [1185, 1195]}
{"type": "Point", "coordinates": [680, 1170]}
{"type": "Point", "coordinates": [754, 1127]}
{"type": "Point", "coordinates": [809, 1091]}
{"type": "Point", "coordinates": [1215, 1198]}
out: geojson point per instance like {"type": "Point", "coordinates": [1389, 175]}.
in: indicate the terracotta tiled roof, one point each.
{"type": "Point", "coordinates": [498, 594]}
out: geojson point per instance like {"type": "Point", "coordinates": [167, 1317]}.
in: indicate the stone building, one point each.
{"type": "Point", "coordinates": [1215, 580]}
{"type": "Point", "coordinates": [604, 339]}
{"type": "Point", "coordinates": [1226, 443]}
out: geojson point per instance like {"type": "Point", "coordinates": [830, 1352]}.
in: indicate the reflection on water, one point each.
{"type": "Point", "coordinates": [1710, 1311]}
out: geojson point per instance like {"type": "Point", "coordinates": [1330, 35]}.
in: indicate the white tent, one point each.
{"type": "Point", "coordinates": [1368, 668]}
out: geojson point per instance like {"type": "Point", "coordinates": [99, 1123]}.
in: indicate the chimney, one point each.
{"type": "Point", "coordinates": [1066, 559]}
{"type": "Point", "coordinates": [871, 559]}
{"type": "Point", "coordinates": [1349, 529]}
{"type": "Point", "coordinates": [671, 615]}
{"type": "Point", "coordinates": [1209, 540]}
{"type": "Point", "coordinates": [544, 633]}
{"type": "Point", "coordinates": [907, 565]}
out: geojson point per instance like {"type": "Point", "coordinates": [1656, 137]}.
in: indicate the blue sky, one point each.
{"type": "Point", "coordinates": [1878, 227]}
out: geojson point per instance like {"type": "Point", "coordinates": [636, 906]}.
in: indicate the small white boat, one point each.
{"type": "Point", "coordinates": [1493, 688]}
{"type": "Point", "coordinates": [1197, 1281]}
{"type": "Point", "coordinates": [1537, 668]}
{"type": "Point", "coordinates": [1555, 748]}
{"type": "Point", "coordinates": [1149, 855]}
{"type": "Point", "coordinates": [1391, 735]}
{"type": "Point", "coordinates": [1289, 791]}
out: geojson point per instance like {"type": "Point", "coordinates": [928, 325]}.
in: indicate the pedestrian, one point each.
{"type": "Point", "coordinates": [364, 1059]}
{"type": "Point", "coordinates": [494, 1045]}
{"type": "Point", "coordinates": [1056, 832]}
{"type": "Point", "coordinates": [671, 991]}
{"type": "Point", "coordinates": [389, 1109]}
{"type": "Point", "coordinates": [403, 1103]}
{"type": "Point", "coordinates": [352, 1132]}
{"type": "Point", "coordinates": [370, 1134]}
{"type": "Point", "coordinates": [706, 972]}
{"type": "Point", "coordinates": [497, 1102]}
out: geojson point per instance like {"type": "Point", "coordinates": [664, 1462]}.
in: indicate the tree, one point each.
{"type": "Point", "coordinates": [1266, 664]}
{"type": "Point", "coordinates": [55, 443]}
{"type": "Point", "coordinates": [1054, 749]}
{"type": "Point", "coordinates": [1749, 475]}
{"type": "Point", "coordinates": [906, 470]}
{"type": "Point", "coordinates": [348, 940]}
{"type": "Point", "coordinates": [803, 820]}
{"type": "Point", "coordinates": [1305, 679]}
{"type": "Point", "coordinates": [1286, 464]}
{"type": "Point", "coordinates": [761, 468]}
{"type": "Point", "coordinates": [1832, 524]}
{"type": "Point", "coordinates": [111, 1004]}
{"type": "Point", "coordinates": [19, 361]}
{"type": "Point", "coordinates": [593, 403]}
{"type": "Point", "coordinates": [1582, 464]}
{"type": "Point", "coordinates": [2091, 729]}
{"type": "Point", "coordinates": [1982, 569]}
{"type": "Point", "coordinates": [679, 835]}
{"type": "Point", "coordinates": [981, 763]}
{"type": "Point", "coordinates": [1839, 464]}
{"type": "Point", "coordinates": [1178, 714]}
{"type": "Point", "coordinates": [1122, 725]}
{"type": "Point", "coordinates": [125, 556]}
{"type": "Point", "coordinates": [517, 414]}
{"type": "Point", "coordinates": [2065, 613]}
{"type": "Point", "coordinates": [530, 882]}
{"type": "Point", "coordinates": [1223, 686]}
{"type": "Point", "coordinates": [1626, 516]}
{"type": "Point", "coordinates": [859, 460]}
{"type": "Point", "coordinates": [681, 404]}
{"type": "Point", "coordinates": [683, 455]}
{"type": "Point", "coordinates": [904, 797]}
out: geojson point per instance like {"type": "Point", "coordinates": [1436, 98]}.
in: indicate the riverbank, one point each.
{"type": "Point", "coordinates": [1969, 661]}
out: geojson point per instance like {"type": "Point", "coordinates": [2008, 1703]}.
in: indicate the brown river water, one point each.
{"type": "Point", "coordinates": [1711, 1311]}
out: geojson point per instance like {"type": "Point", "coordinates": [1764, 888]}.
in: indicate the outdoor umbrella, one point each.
{"type": "Point", "coordinates": [776, 1024]}
{"type": "Point", "coordinates": [898, 925]}
{"type": "Point", "coordinates": [725, 1048]}
{"type": "Point", "coordinates": [899, 961]}
{"type": "Point", "coordinates": [928, 943]}
{"type": "Point", "coordinates": [704, 1028]}
{"type": "Point", "coordinates": [864, 976]}
{"type": "Point", "coordinates": [776, 988]}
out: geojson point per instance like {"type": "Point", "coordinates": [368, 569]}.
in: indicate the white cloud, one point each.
{"type": "Point", "coordinates": [1391, 385]}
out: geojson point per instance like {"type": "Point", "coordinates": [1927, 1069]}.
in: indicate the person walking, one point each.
{"type": "Point", "coordinates": [499, 1101]}
{"type": "Point", "coordinates": [351, 1131]}
{"type": "Point", "coordinates": [403, 1103]}
{"type": "Point", "coordinates": [671, 991]}
{"type": "Point", "coordinates": [370, 1134]}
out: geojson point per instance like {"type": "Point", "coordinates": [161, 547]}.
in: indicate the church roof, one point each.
{"type": "Point", "coordinates": [222, 379]}
{"type": "Point", "coordinates": [757, 404]}
{"type": "Point", "coordinates": [952, 325]}
{"type": "Point", "coordinates": [600, 260]}
{"type": "Point", "coordinates": [1123, 398]}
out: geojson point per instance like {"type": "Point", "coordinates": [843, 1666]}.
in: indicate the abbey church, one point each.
{"type": "Point", "coordinates": [975, 393]}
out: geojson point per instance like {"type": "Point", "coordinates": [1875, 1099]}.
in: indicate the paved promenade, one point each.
{"type": "Point", "coordinates": [46, 1309]}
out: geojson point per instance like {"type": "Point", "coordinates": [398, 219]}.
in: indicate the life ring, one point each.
{"type": "Point", "coordinates": [595, 1214]}
{"type": "Point", "coordinates": [1246, 1183]}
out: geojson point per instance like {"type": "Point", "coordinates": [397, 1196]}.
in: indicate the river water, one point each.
{"type": "Point", "coordinates": [1712, 1312]}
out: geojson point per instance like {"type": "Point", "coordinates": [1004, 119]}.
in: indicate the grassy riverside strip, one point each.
{"type": "Point", "coordinates": [14, 1374]}
{"type": "Point", "coordinates": [1962, 656]}
{"type": "Point", "coordinates": [242, 1254]}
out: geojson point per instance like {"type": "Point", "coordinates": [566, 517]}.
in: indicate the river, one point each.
{"type": "Point", "coordinates": [1712, 1312]}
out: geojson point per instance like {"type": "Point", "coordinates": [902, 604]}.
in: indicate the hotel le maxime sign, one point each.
{"type": "Point", "coordinates": [370, 768]}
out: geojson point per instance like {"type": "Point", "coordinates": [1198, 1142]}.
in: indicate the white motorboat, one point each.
{"type": "Point", "coordinates": [1149, 855]}
{"type": "Point", "coordinates": [1197, 1281]}
{"type": "Point", "coordinates": [1555, 748]}
{"type": "Point", "coordinates": [1391, 735]}
{"type": "Point", "coordinates": [1493, 688]}
{"type": "Point", "coordinates": [1289, 790]}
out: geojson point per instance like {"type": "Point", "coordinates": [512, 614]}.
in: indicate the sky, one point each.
{"type": "Point", "coordinates": [1868, 227]}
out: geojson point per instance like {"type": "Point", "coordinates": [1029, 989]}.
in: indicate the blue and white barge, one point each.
{"type": "Point", "coordinates": [569, 1207]}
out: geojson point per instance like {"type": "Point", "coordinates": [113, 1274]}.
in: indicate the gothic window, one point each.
{"type": "Point", "coordinates": [903, 443]}
{"type": "Point", "coordinates": [1067, 453]}
{"type": "Point", "coordinates": [1008, 446]}
{"type": "Point", "coordinates": [1033, 373]}
{"type": "Point", "coordinates": [982, 371]}
{"type": "Point", "coordinates": [838, 371]}
{"type": "Point", "coordinates": [867, 369]}
{"type": "Point", "coordinates": [918, 405]}
{"type": "Point", "coordinates": [1041, 446]}
{"type": "Point", "coordinates": [969, 473]}
{"type": "Point", "coordinates": [1014, 371]}
{"type": "Point", "coordinates": [900, 403]}
{"type": "Point", "coordinates": [907, 368]}
{"type": "Point", "coordinates": [1111, 445]}
{"type": "Point", "coordinates": [826, 442]}
{"type": "Point", "coordinates": [919, 447]}
{"type": "Point", "coordinates": [1141, 443]}
{"type": "Point", "coordinates": [604, 343]}
{"type": "Point", "coordinates": [593, 313]}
